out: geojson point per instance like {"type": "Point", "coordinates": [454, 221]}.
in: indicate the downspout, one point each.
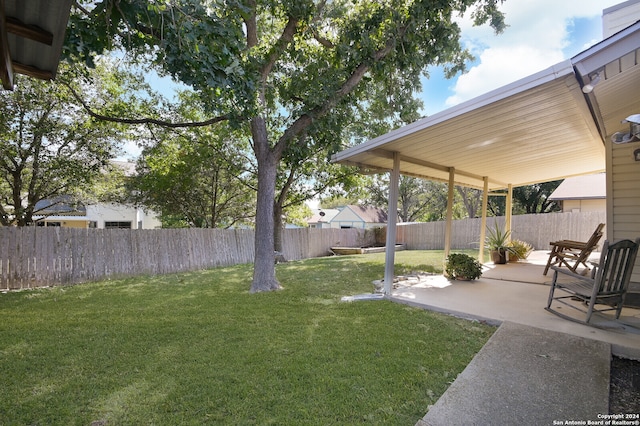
{"type": "Point", "coordinates": [392, 217]}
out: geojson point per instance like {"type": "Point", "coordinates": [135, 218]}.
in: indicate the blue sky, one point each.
{"type": "Point", "coordinates": [541, 33]}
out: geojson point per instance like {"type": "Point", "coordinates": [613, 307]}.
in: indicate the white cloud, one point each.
{"type": "Point", "coordinates": [538, 31]}
{"type": "Point", "coordinates": [500, 66]}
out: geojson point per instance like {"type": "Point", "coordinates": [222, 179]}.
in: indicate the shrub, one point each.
{"type": "Point", "coordinates": [520, 249]}
{"type": "Point", "coordinates": [463, 266]}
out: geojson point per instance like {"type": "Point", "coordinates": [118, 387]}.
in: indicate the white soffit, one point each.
{"type": "Point", "coordinates": [538, 129]}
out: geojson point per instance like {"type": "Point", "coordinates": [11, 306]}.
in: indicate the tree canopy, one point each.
{"type": "Point", "coordinates": [295, 74]}
{"type": "Point", "coordinates": [197, 177]}
{"type": "Point", "coordinates": [49, 146]}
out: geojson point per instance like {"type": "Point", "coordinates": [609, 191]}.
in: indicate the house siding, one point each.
{"type": "Point", "coordinates": [624, 203]}
{"type": "Point", "coordinates": [584, 206]}
{"type": "Point", "coordinates": [351, 219]}
{"type": "Point", "coordinates": [104, 212]}
{"type": "Point", "coordinates": [347, 218]}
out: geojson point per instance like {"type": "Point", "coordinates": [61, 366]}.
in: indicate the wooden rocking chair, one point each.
{"type": "Point", "coordinates": [573, 253]}
{"type": "Point", "coordinates": [607, 285]}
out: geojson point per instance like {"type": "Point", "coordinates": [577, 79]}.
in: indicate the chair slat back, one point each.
{"type": "Point", "coordinates": [590, 246]}
{"type": "Point", "coordinates": [616, 265]}
{"type": "Point", "coordinates": [595, 237]}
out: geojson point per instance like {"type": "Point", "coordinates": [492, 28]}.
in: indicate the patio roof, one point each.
{"type": "Point", "coordinates": [537, 129]}
{"type": "Point", "coordinates": [31, 38]}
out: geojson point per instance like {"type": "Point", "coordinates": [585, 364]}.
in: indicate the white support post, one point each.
{"type": "Point", "coordinates": [447, 230]}
{"type": "Point", "coordinates": [392, 217]}
{"type": "Point", "coordinates": [483, 221]}
{"type": "Point", "coordinates": [508, 208]}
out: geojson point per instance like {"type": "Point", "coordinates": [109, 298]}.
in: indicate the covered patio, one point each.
{"type": "Point", "coordinates": [517, 292]}
{"type": "Point", "coordinates": [567, 120]}
{"type": "Point", "coordinates": [554, 124]}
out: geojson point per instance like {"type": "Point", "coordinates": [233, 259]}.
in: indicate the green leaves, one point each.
{"type": "Point", "coordinates": [196, 177]}
{"type": "Point", "coordinates": [48, 144]}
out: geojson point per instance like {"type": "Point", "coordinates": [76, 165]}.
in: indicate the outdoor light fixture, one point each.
{"type": "Point", "coordinates": [632, 136]}
{"type": "Point", "coordinates": [588, 88]}
{"type": "Point", "coordinates": [634, 124]}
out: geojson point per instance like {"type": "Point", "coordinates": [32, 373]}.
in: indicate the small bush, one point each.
{"type": "Point", "coordinates": [463, 266]}
{"type": "Point", "coordinates": [520, 249]}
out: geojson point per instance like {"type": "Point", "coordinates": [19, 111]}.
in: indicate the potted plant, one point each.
{"type": "Point", "coordinates": [521, 249]}
{"type": "Point", "coordinates": [497, 242]}
{"type": "Point", "coordinates": [461, 266]}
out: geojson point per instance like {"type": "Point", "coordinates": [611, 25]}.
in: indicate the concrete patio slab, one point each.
{"type": "Point", "coordinates": [496, 298]}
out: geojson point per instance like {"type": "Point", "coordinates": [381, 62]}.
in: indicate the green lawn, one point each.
{"type": "Point", "coordinates": [197, 348]}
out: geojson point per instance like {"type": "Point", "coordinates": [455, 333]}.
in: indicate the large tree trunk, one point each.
{"type": "Point", "coordinates": [277, 227]}
{"type": "Point", "coordinates": [264, 272]}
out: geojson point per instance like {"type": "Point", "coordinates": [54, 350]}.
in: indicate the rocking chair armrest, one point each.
{"type": "Point", "coordinates": [572, 274]}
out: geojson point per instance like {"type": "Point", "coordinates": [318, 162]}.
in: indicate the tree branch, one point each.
{"type": "Point", "coordinates": [322, 40]}
{"type": "Point", "coordinates": [285, 38]}
{"type": "Point", "coordinates": [146, 120]}
{"type": "Point", "coordinates": [316, 35]}
{"type": "Point", "coordinates": [347, 87]}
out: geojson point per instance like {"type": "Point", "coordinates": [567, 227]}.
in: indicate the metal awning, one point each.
{"type": "Point", "coordinates": [540, 128]}
{"type": "Point", "coordinates": [31, 38]}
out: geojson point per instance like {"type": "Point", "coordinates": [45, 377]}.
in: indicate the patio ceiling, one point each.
{"type": "Point", "coordinates": [31, 38]}
{"type": "Point", "coordinates": [538, 129]}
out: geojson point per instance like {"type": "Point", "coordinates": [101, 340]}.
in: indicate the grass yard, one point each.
{"type": "Point", "coordinates": [197, 348]}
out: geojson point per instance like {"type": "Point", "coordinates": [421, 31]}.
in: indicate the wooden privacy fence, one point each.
{"type": "Point", "coordinates": [536, 229]}
{"type": "Point", "coordinates": [44, 256]}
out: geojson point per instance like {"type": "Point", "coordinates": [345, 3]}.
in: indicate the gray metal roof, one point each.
{"type": "Point", "coordinates": [60, 205]}
{"type": "Point", "coordinates": [581, 188]}
{"type": "Point", "coordinates": [540, 128]}
{"type": "Point", "coordinates": [31, 37]}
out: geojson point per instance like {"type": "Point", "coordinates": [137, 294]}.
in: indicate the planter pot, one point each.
{"type": "Point", "coordinates": [462, 278]}
{"type": "Point", "coordinates": [499, 257]}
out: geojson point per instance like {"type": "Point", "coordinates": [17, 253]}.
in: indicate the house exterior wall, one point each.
{"type": "Point", "coordinates": [584, 206]}
{"type": "Point", "coordinates": [97, 215]}
{"type": "Point", "coordinates": [347, 218]}
{"type": "Point", "coordinates": [623, 175]}
{"type": "Point", "coordinates": [106, 212]}
{"type": "Point", "coordinates": [320, 225]}
{"type": "Point", "coordinates": [75, 224]}
{"type": "Point", "coordinates": [356, 224]}
{"type": "Point", "coordinates": [64, 221]}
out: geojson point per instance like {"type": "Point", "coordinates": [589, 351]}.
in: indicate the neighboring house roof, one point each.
{"type": "Point", "coordinates": [59, 206]}
{"type": "Point", "coordinates": [366, 214]}
{"type": "Point", "coordinates": [369, 214]}
{"type": "Point", "coordinates": [31, 38]}
{"type": "Point", "coordinates": [582, 188]}
{"type": "Point", "coordinates": [323, 215]}
{"type": "Point", "coordinates": [550, 125]}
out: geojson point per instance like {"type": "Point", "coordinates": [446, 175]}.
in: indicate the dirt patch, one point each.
{"type": "Point", "coordinates": [624, 386]}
